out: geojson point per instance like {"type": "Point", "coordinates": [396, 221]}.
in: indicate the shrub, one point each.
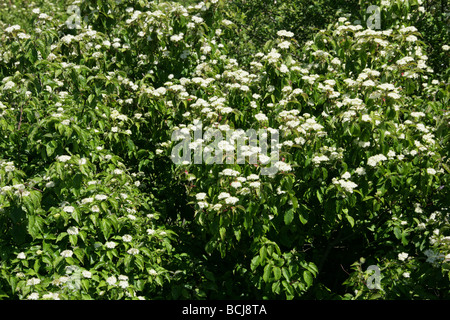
{"type": "Point", "coordinates": [93, 205]}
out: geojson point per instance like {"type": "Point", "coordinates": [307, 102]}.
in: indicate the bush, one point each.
{"type": "Point", "coordinates": [95, 100]}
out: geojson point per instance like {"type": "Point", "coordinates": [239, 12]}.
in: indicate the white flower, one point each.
{"type": "Point", "coordinates": [72, 231]}
{"type": "Point", "coordinates": [368, 83]}
{"type": "Point", "coordinates": [196, 19]}
{"type": "Point", "coordinates": [176, 38]}
{"type": "Point", "coordinates": [224, 195]}
{"type": "Point", "coordinates": [284, 45]}
{"type": "Point", "coordinates": [111, 280]}
{"type": "Point", "coordinates": [394, 95]}
{"type": "Point", "coordinates": [86, 274]}
{"type": "Point", "coordinates": [284, 33]}
{"type": "Point", "coordinates": [402, 256]}
{"type": "Point", "coordinates": [261, 117]}
{"type": "Point", "coordinates": [230, 172]}
{"type": "Point", "coordinates": [445, 47]}
{"type": "Point", "coordinates": [9, 85]}
{"type": "Point", "coordinates": [284, 68]}
{"type": "Point", "coordinates": [51, 295]}
{"type": "Point", "coordinates": [110, 245]}
{"type": "Point", "coordinates": [127, 238]}
{"type": "Point", "coordinates": [283, 166]}
{"type": "Point", "coordinates": [6, 188]}
{"type": "Point", "coordinates": [151, 231]}
{"type": "Point", "coordinates": [123, 277]}
{"type": "Point", "coordinates": [319, 159]}
{"type": "Point", "coordinates": [10, 168]}
{"type": "Point", "coordinates": [67, 253]}
{"type": "Point", "coordinates": [236, 184]}
{"type": "Point", "coordinates": [374, 160]}
{"type": "Point", "coordinates": [153, 272]}
{"type": "Point", "coordinates": [360, 171]}
{"type": "Point", "coordinates": [273, 56]}
{"type": "Point", "coordinates": [33, 281]}
{"type": "Point", "coordinates": [264, 159]}
{"type": "Point", "coordinates": [255, 184]}
{"type": "Point", "coordinates": [431, 171]}
{"type": "Point", "coordinates": [364, 144]}
{"type": "Point", "coordinates": [133, 251]}
{"type": "Point", "coordinates": [68, 209]}
{"type": "Point", "coordinates": [100, 197]}
{"type": "Point", "coordinates": [63, 158]}
{"type": "Point", "coordinates": [346, 175]}
{"type": "Point", "coordinates": [33, 296]}
{"type": "Point", "coordinates": [231, 200]}
{"type": "Point", "coordinates": [203, 204]}
{"type": "Point", "coordinates": [87, 200]}
{"type": "Point", "coordinates": [345, 184]}
{"type": "Point", "coordinates": [253, 177]}
{"type": "Point", "coordinates": [95, 208]}
{"type": "Point", "coordinates": [21, 256]}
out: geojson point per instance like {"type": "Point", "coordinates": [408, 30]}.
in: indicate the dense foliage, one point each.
{"type": "Point", "coordinates": [92, 205]}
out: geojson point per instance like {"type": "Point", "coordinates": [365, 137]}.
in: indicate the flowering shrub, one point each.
{"type": "Point", "coordinates": [350, 167]}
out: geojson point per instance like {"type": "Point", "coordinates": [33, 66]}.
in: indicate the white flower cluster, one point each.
{"type": "Point", "coordinates": [346, 184]}
{"type": "Point", "coordinates": [374, 160]}
{"type": "Point", "coordinates": [305, 125]}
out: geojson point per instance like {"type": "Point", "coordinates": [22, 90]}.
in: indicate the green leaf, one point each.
{"type": "Point", "coordinates": [397, 232]}
{"type": "Point", "coordinates": [73, 239]}
{"type": "Point", "coordinates": [105, 226]}
{"type": "Point", "coordinates": [263, 253]}
{"type": "Point", "coordinates": [350, 220]}
{"type": "Point", "coordinates": [222, 232]}
{"type": "Point", "coordinates": [286, 274]}
{"type": "Point", "coordinates": [307, 276]}
{"type": "Point", "coordinates": [276, 273]}
{"type": "Point", "coordinates": [319, 196]}
{"type": "Point", "coordinates": [288, 216]}
{"type": "Point", "coordinates": [267, 272]}
{"type": "Point", "coordinates": [294, 202]}
{"type": "Point", "coordinates": [289, 289]}
{"type": "Point", "coordinates": [255, 262]}
{"type": "Point", "coordinates": [139, 260]}
{"type": "Point", "coordinates": [276, 286]}
{"type": "Point", "coordinates": [79, 253]}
